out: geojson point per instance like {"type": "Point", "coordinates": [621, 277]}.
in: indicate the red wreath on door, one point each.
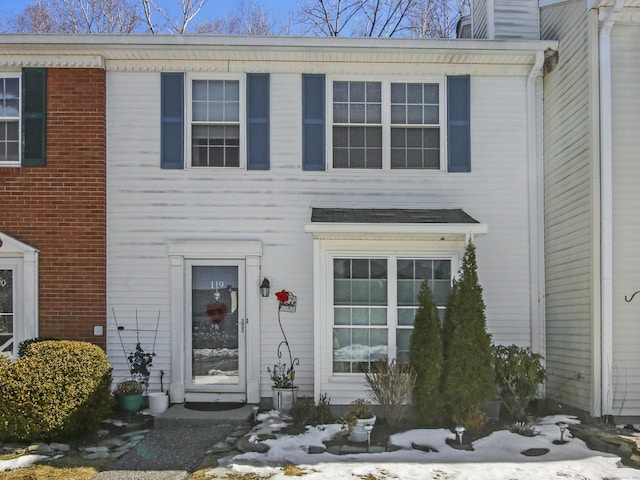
{"type": "Point", "coordinates": [216, 312]}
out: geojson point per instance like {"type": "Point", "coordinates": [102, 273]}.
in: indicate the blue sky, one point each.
{"type": "Point", "coordinates": [214, 8]}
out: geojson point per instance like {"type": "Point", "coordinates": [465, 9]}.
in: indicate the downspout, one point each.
{"type": "Point", "coordinates": [536, 207]}
{"type": "Point", "coordinates": [606, 189]}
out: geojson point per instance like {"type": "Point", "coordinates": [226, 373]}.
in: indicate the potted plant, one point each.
{"type": "Point", "coordinates": [283, 390]}
{"type": "Point", "coordinates": [128, 393]}
{"type": "Point", "coordinates": [282, 375]}
{"type": "Point", "coordinates": [360, 415]}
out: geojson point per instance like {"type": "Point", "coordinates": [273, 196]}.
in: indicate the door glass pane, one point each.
{"type": "Point", "coordinates": [215, 344]}
{"type": "Point", "coordinates": [6, 312]}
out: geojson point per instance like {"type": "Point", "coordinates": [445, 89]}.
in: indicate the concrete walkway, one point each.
{"type": "Point", "coordinates": [178, 442]}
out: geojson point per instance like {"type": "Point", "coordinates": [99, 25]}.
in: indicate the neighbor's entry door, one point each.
{"type": "Point", "coordinates": [215, 327]}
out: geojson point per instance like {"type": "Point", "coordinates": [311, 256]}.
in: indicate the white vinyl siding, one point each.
{"type": "Point", "coordinates": [569, 216]}
{"type": "Point", "coordinates": [626, 204]}
{"type": "Point", "coordinates": [149, 208]}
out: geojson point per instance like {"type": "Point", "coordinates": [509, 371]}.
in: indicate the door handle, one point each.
{"type": "Point", "coordinates": [242, 322]}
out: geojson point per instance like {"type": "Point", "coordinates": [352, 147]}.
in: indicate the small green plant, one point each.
{"type": "Point", "coordinates": [360, 408]}
{"type": "Point", "coordinates": [521, 428]}
{"type": "Point", "coordinates": [282, 375]}
{"type": "Point", "coordinates": [307, 412]}
{"type": "Point", "coordinates": [128, 387]}
{"type": "Point", "coordinates": [139, 363]}
{"type": "Point", "coordinates": [519, 372]}
{"type": "Point", "coordinates": [391, 384]}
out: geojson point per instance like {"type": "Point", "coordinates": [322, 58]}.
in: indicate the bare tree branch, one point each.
{"type": "Point", "coordinates": [78, 16]}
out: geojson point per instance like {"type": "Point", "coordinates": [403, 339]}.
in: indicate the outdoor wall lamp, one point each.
{"type": "Point", "coordinates": [265, 287]}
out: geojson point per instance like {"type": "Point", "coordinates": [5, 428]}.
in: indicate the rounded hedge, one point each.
{"type": "Point", "coordinates": [58, 390]}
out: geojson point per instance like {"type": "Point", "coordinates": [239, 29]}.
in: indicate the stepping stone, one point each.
{"type": "Point", "coordinates": [423, 448]}
{"type": "Point", "coordinates": [535, 452]}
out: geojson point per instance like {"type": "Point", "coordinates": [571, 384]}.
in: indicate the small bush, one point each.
{"type": "Point", "coordinates": [306, 412]}
{"type": "Point", "coordinates": [58, 390]}
{"type": "Point", "coordinates": [519, 373]}
{"type": "Point", "coordinates": [24, 345]}
{"type": "Point", "coordinates": [391, 384]}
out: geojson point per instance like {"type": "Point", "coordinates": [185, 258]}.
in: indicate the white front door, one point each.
{"type": "Point", "coordinates": [215, 330]}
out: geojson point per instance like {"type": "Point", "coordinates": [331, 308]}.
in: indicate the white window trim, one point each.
{"type": "Point", "coordinates": [386, 82]}
{"type": "Point", "coordinates": [19, 77]}
{"type": "Point", "coordinates": [346, 387]}
{"type": "Point", "coordinates": [242, 116]}
{"type": "Point", "coordinates": [23, 260]}
{"type": "Point", "coordinates": [180, 253]}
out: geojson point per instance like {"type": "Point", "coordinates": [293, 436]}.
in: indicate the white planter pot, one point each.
{"type": "Point", "coordinates": [284, 398]}
{"type": "Point", "coordinates": [158, 402]}
{"type": "Point", "coordinates": [357, 432]}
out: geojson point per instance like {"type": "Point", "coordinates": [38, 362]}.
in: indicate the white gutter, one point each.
{"type": "Point", "coordinates": [536, 207]}
{"type": "Point", "coordinates": [606, 186]}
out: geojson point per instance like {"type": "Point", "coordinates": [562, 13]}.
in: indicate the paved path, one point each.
{"type": "Point", "coordinates": [167, 453]}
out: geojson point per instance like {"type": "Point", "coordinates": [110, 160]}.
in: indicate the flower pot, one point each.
{"type": "Point", "coordinates": [130, 403]}
{"type": "Point", "coordinates": [158, 402]}
{"type": "Point", "coordinates": [357, 433]}
{"type": "Point", "coordinates": [284, 398]}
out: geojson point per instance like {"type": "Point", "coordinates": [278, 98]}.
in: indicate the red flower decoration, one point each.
{"type": "Point", "coordinates": [282, 296]}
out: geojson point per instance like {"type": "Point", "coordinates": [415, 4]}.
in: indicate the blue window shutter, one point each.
{"type": "Point", "coordinates": [458, 124]}
{"type": "Point", "coordinates": [34, 117]}
{"type": "Point", "coordinates": [313, 122]}
{"type": "Point", "coordinates": [257, 121]}
{"type": "Point", "coordinates": [172, 118]}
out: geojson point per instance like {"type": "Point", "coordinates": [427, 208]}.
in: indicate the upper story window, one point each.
{"type": "Point", "coordinates": [9, 120]}
{"type": "Point", "coordinates": [386, 125]}
{"type": "Point", "coordinates": [215, 123]}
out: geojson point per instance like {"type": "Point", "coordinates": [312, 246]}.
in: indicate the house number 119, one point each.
{"type": "Point", "coordinates": [217, 284]}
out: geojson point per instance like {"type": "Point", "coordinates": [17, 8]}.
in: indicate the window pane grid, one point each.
{"type": "Point", "coordinates": [357, 119]}
{"type": "Point", "coordinates": [9, 119]}
{"type": "Point", "coordinates": [360, 313]}
{"type": "Point", "coordinates": [413, 125]}
{"type": "Point", "coordinates": [215, 112]}
{"type": "Point", "coordinates": [363, 330]}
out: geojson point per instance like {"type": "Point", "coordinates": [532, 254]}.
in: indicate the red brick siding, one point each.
{"type": "Point", "coordinates": [60, 209]}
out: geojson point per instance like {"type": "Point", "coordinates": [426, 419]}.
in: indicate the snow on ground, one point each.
{"type": "Point", "coordinates": [497, 456]}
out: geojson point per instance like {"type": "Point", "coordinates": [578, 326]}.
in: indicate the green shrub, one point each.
{"type": "Point", "coordinates": [518, 372]}
{"type": "Point", "coordinates": [468, 377]}
{"type": "Point", "coordinates": [306, 412]}
{"type": "Point", "coordinates": [58, 390]}
{"type": "Point", "coordinates": [24, 345]}
{"type": "Point", "coordinates": [425, 356]}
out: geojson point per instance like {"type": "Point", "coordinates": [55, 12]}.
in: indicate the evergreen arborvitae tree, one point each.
{"type": "Point", "coordinates": [425, 357]}
{"type": "Point", "coordinates": [468, 379]}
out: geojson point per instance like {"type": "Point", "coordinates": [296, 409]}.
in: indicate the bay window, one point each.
{"type": "Point", "coordinates": [374, 305]}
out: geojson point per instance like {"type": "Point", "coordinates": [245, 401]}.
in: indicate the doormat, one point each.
{"type": "Point", "coordinates": [213, 406]}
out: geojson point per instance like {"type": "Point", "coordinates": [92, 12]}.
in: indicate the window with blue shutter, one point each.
{"type": "Point", "coordinates": [34, 117]}
{"type": "Point", "coordinates": [458, 124]}
{"type": "Point", "coordinates": [257, 121]}
{"type": "Point", "coordinates": [313, 122]}
{"type": "Point", "coordinates": [172, 119]}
